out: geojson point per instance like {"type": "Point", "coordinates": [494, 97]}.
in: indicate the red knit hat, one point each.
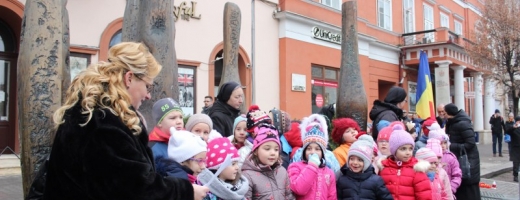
{"type": "Point", "coordinates": [340, 126]}
{"type": "Point", "coordinates": [255, 117]}
{"type": "Point", "coordinates": [427, 123]}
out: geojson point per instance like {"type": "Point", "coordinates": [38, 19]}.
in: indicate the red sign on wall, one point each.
{"type": "Point", "coordinates": [319, 100]}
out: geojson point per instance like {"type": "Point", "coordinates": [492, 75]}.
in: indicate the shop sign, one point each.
{"type": "Point", "coordinates": [326, 35]}
{"type": "Point", "coordinates": [186, 11]}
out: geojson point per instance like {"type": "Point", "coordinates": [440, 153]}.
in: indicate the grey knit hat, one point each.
{"type": "Point", "coordinates": [198, 118]}
{"type": "Point", "coordinates": [163, 107]}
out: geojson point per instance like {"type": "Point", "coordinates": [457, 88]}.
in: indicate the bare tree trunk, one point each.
{"type": "Point", "coordinates": [352, 99]}
{"type": "Point", "coordinates": [42, 66]}
{"type": "Point", "coordinates": [152, 22]}
{"type": "Point", "coordinates": [232, 22]}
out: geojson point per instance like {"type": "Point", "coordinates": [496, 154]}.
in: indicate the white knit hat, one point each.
{"type": "Point", "coordinates": [364, 149]}
{"type": "Point", "coordinates": [183, 145]}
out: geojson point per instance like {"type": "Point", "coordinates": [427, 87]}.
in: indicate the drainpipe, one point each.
{"type": "Point", "coordinates": [253, 64]}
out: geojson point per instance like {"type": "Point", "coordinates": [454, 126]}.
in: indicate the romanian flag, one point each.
{"type": "Point", "coordinates": [425, 107]}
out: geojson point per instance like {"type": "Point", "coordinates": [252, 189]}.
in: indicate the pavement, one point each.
{"type": "Point", "coordinates": [491, 169]}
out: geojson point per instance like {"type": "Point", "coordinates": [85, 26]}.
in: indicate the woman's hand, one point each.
{"type": "Point", "coordinates": [200, 191]}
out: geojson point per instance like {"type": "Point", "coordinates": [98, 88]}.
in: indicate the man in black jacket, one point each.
{"type": "Point", "coordinates": [497, 125]}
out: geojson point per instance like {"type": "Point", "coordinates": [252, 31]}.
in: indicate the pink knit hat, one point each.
{"type": "Point", "coordinates": [426, 154]}
{"type": "Point", "coordinates": [435, 146]}
{"type": "Point", "coordinates": [399, 137]}
{"type": "Point", "coordinates": [218, 149]}
{"type": "Point", "coordinates": [384, 134]}
{"type": "Point", "coordinates": [265, 133]}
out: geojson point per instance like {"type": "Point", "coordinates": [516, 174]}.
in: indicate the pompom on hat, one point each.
{"type": "Point", "coordinates": [340, 126]}
{"type": "Point", "coordinates": [218, 149]}
{"type": "Point", "coordinates": [314, 129]}
{"type": "Point", "coordinates": [429, 124]}
{"type": "Point", "coordinates": [363, 148]}
{"type": "Point", "coordinates": [255, 117]}
{"type": "Point", "coordinates": [399, 137]}
{"type": "Point", "coordinates": [265, 133]}
{"type": "Point", "coordinates": [183, 145]}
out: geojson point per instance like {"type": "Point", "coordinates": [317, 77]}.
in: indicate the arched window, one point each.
{"type": "Point", "coordinates": [116, 38]}
{"type": "Point", "coordinates": [7, 41]}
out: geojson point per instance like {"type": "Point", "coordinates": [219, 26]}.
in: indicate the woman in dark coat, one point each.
{"type": "Point", "coordinates": [514, 146]}
{"type": "Point", "coordinates": [226, 108]}
{"type": "Point", "coordinates": [462, 136]}
{"type": "Point", "coordinates": [100, 149]}
{"type": "Point", "coordinates": [391, 109]}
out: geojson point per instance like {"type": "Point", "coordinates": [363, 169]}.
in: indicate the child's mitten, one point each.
{"type": "Point", "coordinates": [314, 159]}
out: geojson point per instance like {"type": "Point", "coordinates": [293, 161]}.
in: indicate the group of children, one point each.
{"type": "Point", "coordinates": [253, 163]}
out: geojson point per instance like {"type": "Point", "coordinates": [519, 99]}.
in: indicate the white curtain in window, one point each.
{"type": "Point", "coordinates": [445, 20]}
{"type": "Point", "coordinates": [385, 14]}
{"type": "Point", "coordinates": [428, 23]}
{"type": "Point", "coordinates": [458, 27]}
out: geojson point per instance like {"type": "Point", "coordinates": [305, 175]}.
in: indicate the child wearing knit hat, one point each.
{"type": "Point", "coordinates": [427, 126]}
{"type": "Point", "coordinates": [267, 179]}
{"type": "Point", "coordinates": [310, 176]}
{"type": "Point", "coordinates": [200, 124]}
{"type": "Point", "coordinates": [404, 175]}
{"type": "Point", "coordinates": [344, 134]}
{"type": "Point", "coordinates": [238, 139]}
{"type": "Point", "coordinates": [222, 173]}
{"type": "Point", "coordinates": [186, 156]}
{"type": "Point", "coordinates": [166, 113]}
{"type": "Point", "coordinates": [282, 122]}
{"type": "Point", "coordinates": [439, 181]}
{"type": "Point", "coordinates": [449, 161]}
{"type": "Point", "coordinates": [358, 180]}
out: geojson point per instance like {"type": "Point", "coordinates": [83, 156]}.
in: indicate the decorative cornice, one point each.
{"type": "Point", "coordinates": [445, 9]}
{"type": "Point", "coordinates": [457, 16]}
{"type": "Point", "coordinates": [432, 2]}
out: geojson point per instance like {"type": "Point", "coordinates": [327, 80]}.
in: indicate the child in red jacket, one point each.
{"type": "Point", "coordinates": [404, 176]}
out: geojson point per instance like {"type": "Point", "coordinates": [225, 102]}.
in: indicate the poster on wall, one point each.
{"type": "Point", "coordinates": [412, 96]}
{"type": "Point", "coordinates": [77, 64]}
{"type": "Point", "coordinates": [298, 82]}
{"type": "Point", "coordinates": [187, 90]}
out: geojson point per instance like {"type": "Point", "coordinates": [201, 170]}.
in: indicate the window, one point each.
{"type": "Point", "coordinates": [409, 16]}
{"type": "Point", "coordinates": [428, 23]}
{"type": "Point", "coordinates": [332, 3]}
{"type": "Point", "coordinates": [458, 27]}
{"type": "Point", "coordinates": [186, 80]}
{"type": "Point", "coordinates": [384, 13]}
{"type": "Point", "coordinates": [324, 87]}
{"type": "Point", "coordinates": [78, 62]}
{"type": "Point", "coordinates": [116, 39]}
{"type": "Point", "coordinates": [445, 20]}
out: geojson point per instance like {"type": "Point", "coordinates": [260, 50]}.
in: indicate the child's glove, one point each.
{"type": "Point", "coordinates": [314, 159]}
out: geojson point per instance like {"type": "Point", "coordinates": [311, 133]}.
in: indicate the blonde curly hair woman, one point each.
{"type": "Point", "coordinates": [100, 150]}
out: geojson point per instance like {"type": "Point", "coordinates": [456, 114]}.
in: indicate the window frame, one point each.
{"type": "Point", "coordinates": [332, 4]}
{"type": "Point", "coordinates": [447, 20]}
{"type": "Point", "coordinates": [428, 22]}
{"type": "Point", "coordinates": [78, 55]}
{"type": "Point", "coordinates": [194, 86]}
{"type": "Point", "coordinates": [412, 18]}
{"type": "Point", "coordinates": [323, 78]}
{"type": "Point", "coordinates": [384, 14]}
{"type": "Point", "coordinates": [455, 23]}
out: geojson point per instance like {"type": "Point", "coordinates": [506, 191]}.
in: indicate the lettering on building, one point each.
{"type": "Point", "coordinates": [186, 11]}
{"type": "Point", "coordinates": [326, 35]}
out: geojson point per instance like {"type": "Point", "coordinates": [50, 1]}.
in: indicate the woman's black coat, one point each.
{"type": "Point", "coordinates": [514, 152]}
{"type": "Point", "coordinates": [223, 115]}
{"type": "Point", "coordinates": [383, 111]}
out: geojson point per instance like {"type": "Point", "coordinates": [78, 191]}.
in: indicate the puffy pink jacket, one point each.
{"type": "Point", "coordinates": [309, 182]}
{"type": "Point", "coordinates": [451, 166]}
{"type": "Point", "coordinates": [441, 189]}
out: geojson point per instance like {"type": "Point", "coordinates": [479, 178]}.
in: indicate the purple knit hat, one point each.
{"type": "Point", "coordinates": [265, 133]}
{"type": "Point", "coordinates": [399, 137]}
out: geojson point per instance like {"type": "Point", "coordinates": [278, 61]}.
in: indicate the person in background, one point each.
{"type": "Point", "coordinates": [441, 116]}
{"type": "Point", "coordinates": [497, 126]}
{"type": "Point", "coordinates": [208, 102]}
{"type": "Point", "coordinates": [226, 108]}
{"type": "Point", "coordinates": [391, 109]}
{"type": "Point", "coordinates": [514, 154]}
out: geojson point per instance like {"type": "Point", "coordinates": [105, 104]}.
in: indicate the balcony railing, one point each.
{"type": "Point", "coordinates": [433, 36]}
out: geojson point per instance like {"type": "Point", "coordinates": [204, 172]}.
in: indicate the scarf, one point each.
{"type": "Point", "coordinates": [158, 136]}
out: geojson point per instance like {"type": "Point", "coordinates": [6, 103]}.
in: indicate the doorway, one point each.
{"type": "Point", "coordinates": [8, 58]}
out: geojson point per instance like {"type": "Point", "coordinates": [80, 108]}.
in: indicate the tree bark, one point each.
{"type": "Point", "coordinates": [232, 22]}
{"type": "Point", "coordinates": [152, 23]}
{"type": "Point", "coordinates": [42, 66]}
{"type": "Point", "coordinates": [352, 99]}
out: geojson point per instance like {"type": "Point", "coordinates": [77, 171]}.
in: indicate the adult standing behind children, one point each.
{"type": "Point", "coordinates": [391, 109]}
{"type": "Point", "coordinates": [226, 108]}
{"type": "Point", "coordinates": [100, 149]}
{"type": "Point", "coordinates": [462, 137]}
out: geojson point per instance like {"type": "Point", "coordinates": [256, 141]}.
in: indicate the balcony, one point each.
{"type": "Point", "coordinates": [432, 37]}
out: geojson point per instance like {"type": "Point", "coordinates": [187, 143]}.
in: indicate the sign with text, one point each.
{"type": "Point", "coordinates": [326, 35]}
{"type": "Point", "coordinates": [186, 11]}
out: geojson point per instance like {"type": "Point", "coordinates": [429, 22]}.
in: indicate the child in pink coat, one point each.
{"type": "Point", "coordinates": [449, 161]}
{"type": "Point", "coordinates": [439, 182]}
{"type": "Point", "coordinates": [310, 178]}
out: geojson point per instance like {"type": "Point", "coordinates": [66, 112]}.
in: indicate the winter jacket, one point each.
{"type": "Point", "coordinates": [222, 190]}
{"type": "Point", "coordinates": [461, 134]}
{"type": "Point", "coordinates": [440, 185]}
{"type": "Point", "coordinates": [105, 160]}
{"type": "Point", "coordinates": [497, 124]}
{"type": "Point", "coordinates": [243, 151]}
{"type": "Point", "coordinates": [514, 153]}
{"type": "Point", "coordinates": [451, 166]}
{"type": "Point", "coordinates": [384, 111]}
{"type": "Point", "coordinates": [406, 180]}
{"type": "Point", "coordinates": [169, 167]}
{"type": "Point", "coordinates": [223, 116]}
{"type": "Point", "coordinates": [266, 182]}
{"type": "Point", "coordinates": [158, 143]}
{"type": "Point", "coordinates": [311, 182]}
{"type": "Point", "coordinates": [341, 153]}
{"type": "Point", "coordinates": [362, 186]}
{"type": "Point", "coordinates": [330, 161]}
{"type": "Point", "coordinates": [294, 138]}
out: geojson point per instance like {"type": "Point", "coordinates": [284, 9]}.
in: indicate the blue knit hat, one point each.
{"type": "Point", "coordinates": [238, 120]}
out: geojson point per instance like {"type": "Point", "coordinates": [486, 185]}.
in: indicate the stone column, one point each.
{"type": "Point", "coordinates": [478, 118]}
{"type": "Point", "coordinates": [489, 101]}
{"type": "Point", "coordinates": [442, 82]}
{"type": "Point", "coordinates": [458, 76]}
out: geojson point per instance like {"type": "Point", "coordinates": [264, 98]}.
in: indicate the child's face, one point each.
{"type": "Point", "coordinates": [313, 148]}
{"type": "Point", "coordinates": [404, 152]}
{"type": "Point", "coordinates": [382, 146]}
{"type": "Point", "coordinates": [268, 153]}
{"type": "Point", "coordinates": [355, 164]}
{"type": "Point", "coordinates": [172, 119]}
{"type": "Point", "coordinates": [433, 166]}
{"type": "Point", "coordinates": [230, 172]}
{"type": "Point", "coordinates": [197, 163]}
{"type": "Point", "coordinates": [444, 145]}
{"type": "Point", "coordinates": [349, 136]}
{"type": "Point", "coordinates": [240, 132]}
{"type": "Point", "coordinates": [202, 130]}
